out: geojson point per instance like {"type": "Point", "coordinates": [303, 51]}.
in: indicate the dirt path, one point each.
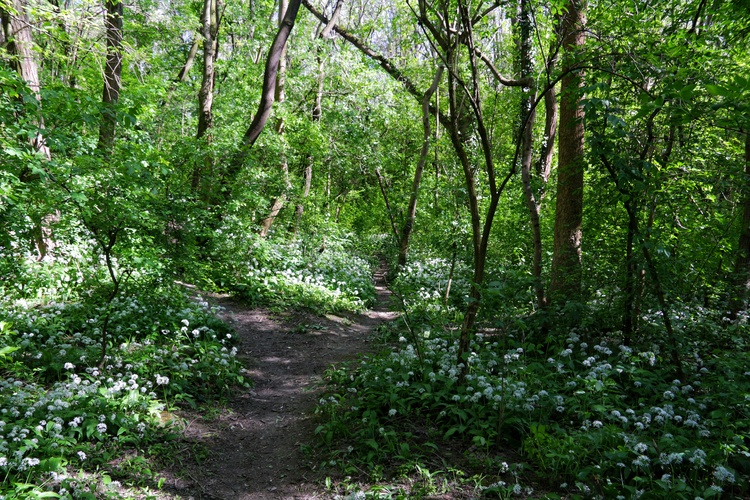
{"type": "Point", "coordinates": [256, 443]}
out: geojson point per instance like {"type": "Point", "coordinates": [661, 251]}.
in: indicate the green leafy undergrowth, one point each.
{"type": "Point", "coordinates": [598, 419]}
{"type": "Point", "coordinates": [64, 408]}
{"type": "Point", "coordinates": [427, 288]}
{"type": "Point", "coordinates": [321, 274]}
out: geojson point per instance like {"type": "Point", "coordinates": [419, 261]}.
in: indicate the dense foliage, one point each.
{"type": "Point", "coordinates": [591, 415]}
{"type": "Point", "coordinates": [598, 330]}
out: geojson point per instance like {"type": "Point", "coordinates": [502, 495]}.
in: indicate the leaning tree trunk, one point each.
{"type": "Point", "coordinates": [279, 96]}
{"type": "Point", "coordinates": [275, 54]}
{"type": "Point", "coordinates": [112, 72]}
{"type": "Point", "coordinates": [566, 254]}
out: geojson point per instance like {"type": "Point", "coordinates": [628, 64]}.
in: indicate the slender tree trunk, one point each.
{"type": "Point", "coordinates": [631, 272]}
{"type": "Point", "coordinates": [742, 264]}
{"type": "Point", "coordinates": [544, 166]}
{"type": "Point", "coordinates": [566, 256]}
{"type": "Point", "coordinates": [210, 29]}
{"type": "Point", "coordinates": [391, 217]}
{"type": "Point", "coordinates": [671, 343]}
{"type": "Point", "coordinates": [317, 111]}
{"type": "Point", "coordinates": [210, 32]}
{"type": "Point", "coordinates": [411, 211]}
{"type": "Point", "coordinates": [182, 75]}
{"type": "Point", "coordinates": [112, 72]}
{"type": "Point", "coordinates": [526, 120]}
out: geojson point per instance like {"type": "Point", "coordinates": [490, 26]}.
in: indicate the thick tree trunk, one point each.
{"type": "Point", "coordinates": [112, 72]}
{"type": "Point", "coordinates": [566, 257]}
{"type": "Point", "coordinates": [411, 210]}
{"type": "Point", "coordinates": [17, 33]}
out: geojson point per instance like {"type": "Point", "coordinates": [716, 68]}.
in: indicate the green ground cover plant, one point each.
{"type": "Point", "coordinates": [321, 273]}
{"type": "Point", "coordinates": [68, 408]}
{"type": "Point", "coordinates": [591, 416]}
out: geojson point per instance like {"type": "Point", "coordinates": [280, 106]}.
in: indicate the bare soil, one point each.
{"type": "Point", "coordinates": [256, 443]}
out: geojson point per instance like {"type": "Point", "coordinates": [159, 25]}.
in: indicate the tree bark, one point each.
{"type": "Point", "coordinates": [526, 120]}
{"type": "Point", "coordinates": [411, 211]}
{"type": "Point", "coordinates": [742, 264]}
{"type": "Point", "coordinates": [269, 78]}
{"type": "Point", "coordinates": [17, 33]}
{"type": "Point", "coordinates": [279, 96]}
{"type": "Point", "coordinates": [182, 75]}
{"type": "Point", "coordinates": [317, 111]}
{"type": "Point", "coordinates": [566, 255]}
{"type": "Point", "coordinates": [210, 32]}
{"type": "Point", "coordinates": [112, 72]}
{"type": "Point", "coordinates": [391, 217]}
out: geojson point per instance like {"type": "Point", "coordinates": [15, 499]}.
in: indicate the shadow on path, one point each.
{"type": "Point", "coordinates": [256, 445]}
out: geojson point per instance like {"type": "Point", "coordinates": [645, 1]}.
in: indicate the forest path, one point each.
{"type": "Point", "coordinates": [255, 444]}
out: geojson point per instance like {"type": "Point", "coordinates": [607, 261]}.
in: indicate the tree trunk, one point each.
{"type": "Point", "coordinates": [391, 217]}
{"type": "Point", "coordinates": [317, 111]}
{"type": "Point", "coordinates": [631, 270]}
{"type": "Point", "coordinates": [411, 211]}
{"type": "Point", "coordinates": [279, 96]}
{"type": "Point", "coordinates": [265, 105]}
{"type": "Point", "coordinates": [742, 265]}
{"type": "Point", "coordinates": [112, 71]}
{"type": "Point", "coordinates": [17, 33]}
{"type": "Point", "coordinates": [210, 32]}
{"type": "Point", "coordinates": [278, 48]}
{"type": "Point", "coordinates": [527, 118]}
{"type": "Point", "coordinates": [182, 75]}
{"type": "Point", "coordinates": [566, 255]}
{"type": "Point", "coordinates": [476, 226]}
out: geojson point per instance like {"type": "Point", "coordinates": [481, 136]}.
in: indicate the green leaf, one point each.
{"type": "Point", "coordinates": [717, 90]}
{"type": "Point", "coordinates": [7, 350]}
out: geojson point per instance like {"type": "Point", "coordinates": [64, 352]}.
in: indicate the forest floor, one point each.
{"type": "Point", "coordinates": [254, 446]}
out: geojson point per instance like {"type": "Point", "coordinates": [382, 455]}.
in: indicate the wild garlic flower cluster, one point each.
{"type": "Point", "coordinates": [333, 277]}
{"type": "Point", "coordinates": [75, 402]}
{"type": "Point", "coordinates": [603, 392]}
{"type": "Point", "coordinates": [423, 282]}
